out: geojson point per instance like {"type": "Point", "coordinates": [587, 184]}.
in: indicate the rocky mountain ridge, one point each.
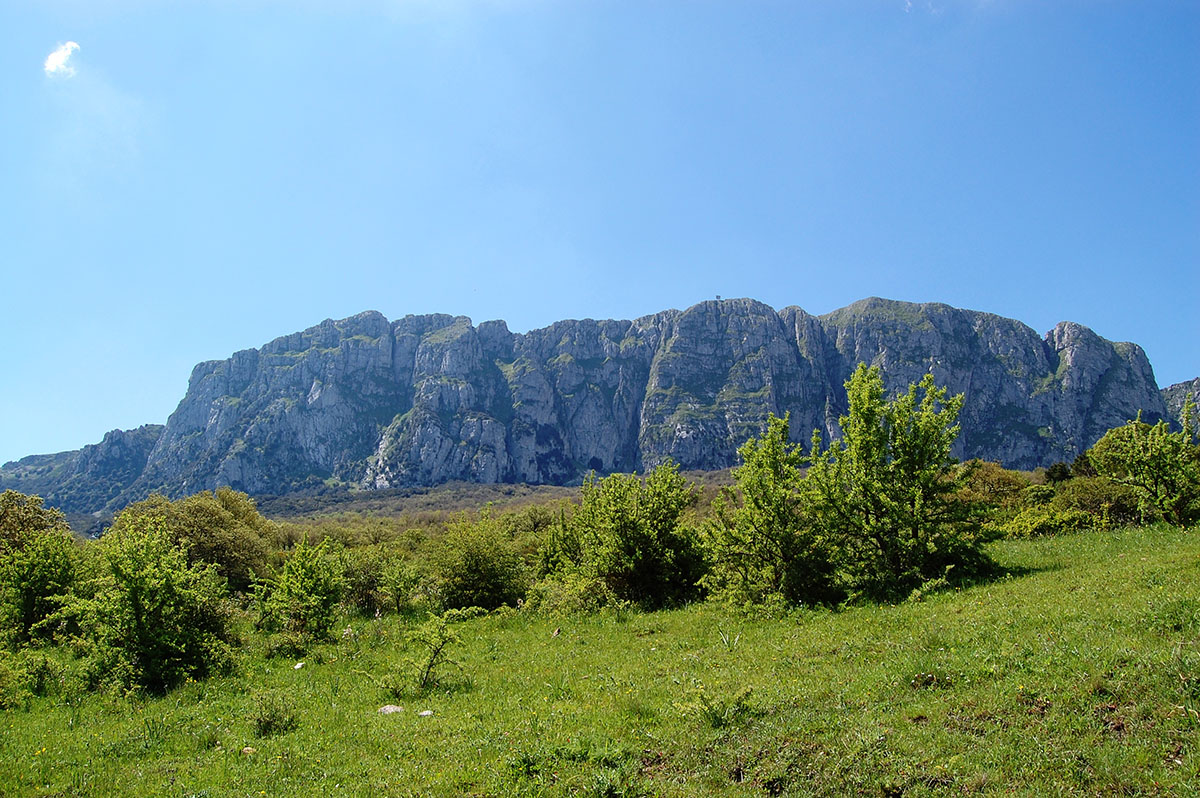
{"type": "Point", "coordinates": [1176, 396]}
{"type": "Point", "coordinates": [373, 403]}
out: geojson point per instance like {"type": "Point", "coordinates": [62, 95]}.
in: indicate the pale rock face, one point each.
{"type": "Point", "coordinates": [1175, 396]}
{"type": "Point", "coordinates": [428, 399]}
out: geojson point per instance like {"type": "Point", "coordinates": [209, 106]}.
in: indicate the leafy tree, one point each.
{"type": "Point", "coordinates": [991, 484]}
{"type": "Point", "coordinates": [362, 575]}
{"type": "Point", "coordinates": [1058, 472]}
{"type": "Point", "coordinates": [763, 540]}
{"type": "Point", "coordinates": [155, 618]}
{"type": "Point", "coordinates": [302, 599]}
{"type": "Point", "coordinates": [1161, 465]}
{"type": "Point", "coordinates": [886, 490]}
{"type": "Point", "coordinates": [1108, 503]}
{"type": "Point", "coordinates": [631, 535]}
{"type": "Point", "coordinates": [37, 565]}
{"type": "Point", "coordinates": [399, 581]}
{"type": "Point", "coordinates": [1081, 466]}
{"type": "Point", "coordinates": [476, 565]}
{"type": "Point", "coordinates": [432, 640]}
{"type": "Point", "coordinates": [222, 527]}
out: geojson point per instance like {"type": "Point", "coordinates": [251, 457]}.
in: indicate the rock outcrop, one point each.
{"type": "Point", "coordinates": [88, 479]}
{"type": "Point", "coordinates": [428, 399]}
{"type": "Point", "coordinates": [1176, 396]}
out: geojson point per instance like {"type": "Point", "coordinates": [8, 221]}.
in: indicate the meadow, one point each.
{"type": "Point", "coordinates": [1076, 672]}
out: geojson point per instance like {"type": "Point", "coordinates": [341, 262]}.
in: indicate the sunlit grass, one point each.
{"type": "Point", "coordinates": [1079, 675]}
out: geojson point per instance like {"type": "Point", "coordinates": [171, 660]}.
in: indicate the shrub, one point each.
{"type": "Point", "coordinates": [427, 668]}
{"type": "Point", "coordinates": [1041, 521]}
{"type": "Point", "coordinates": [222, 528]}
{"type": "Point", "coordinates": [26, 674]}
{"type": "Point", "coordinates": [303, 598]}
{"type": "Point", "coordinates": [992, 484]}
{"type": "Point", "coordinates": [154, 618]}
{"type": "Point", "coordinates": [1058, 472]}
{"type": "Point", "coordinates": [763, 540]}
{"type": "Point", "coordinates": [20, 513]}
{"type": "Point", "coordinates": [432, 640]}
{"type": "Point", "coordinates": [1082, 466]}
{"type": "Point", "coordinates": [273, 714]}
{"type": "Point", "coordinates": [1038, 495]}
{"type": "Point", "coordinates": [631, 535]}
{"type": "Point", "coordinates": [569, 592]}
{"type": "Point", "coordinates": [287, 645]}
{"type": "Point", "coordinates": [1162, 466]}
{"type": "Point", "coordinates": [365, 589]}
{"type": "Point", "coordinates": [14, 689]}
{"type": "Point", "coordinates": [475, 565]}
{"type": "Point", "coordinates": [1108, 503]}
{"type": "Point", "coordinates": [37, 566]}
{"type": "Point", "coordinates": [400, 581]}
{"type": "Point", "coordinates": [887, 491]}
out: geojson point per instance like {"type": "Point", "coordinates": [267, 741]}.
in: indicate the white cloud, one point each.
{"type": "Point", "coordinates": [56, 63]}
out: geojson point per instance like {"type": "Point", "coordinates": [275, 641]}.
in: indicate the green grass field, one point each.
{"type": "Point", "coordinates": [1079, 674]}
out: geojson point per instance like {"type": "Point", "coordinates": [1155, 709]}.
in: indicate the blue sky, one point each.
{"type": "Point", "coordinates": [201, 177]}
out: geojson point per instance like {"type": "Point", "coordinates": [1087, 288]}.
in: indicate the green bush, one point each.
{"type": "Point", "coordinates": [631, 534]}
{"type": "Point", "coordinates": [1162, 467]}
{"type": "Point", "coordinates": [762, 539]}
{"type": "Point", "coordinates": [25, 674]}
{"type": "Point", "coordinates": [14, 687]}
{"type": "Point", "coordinates": [20, 513]}
{"type": "Point", "coordinates": [1109, 503]}
{"type": "Point", "coordinates": [400, 581]}
{"type": "Point", "coordinates": [152, 617]}
{"type": "Point", "coordinates": [475, 565]}
{"type": "Point", "coordinates": [365, 590]}
{"type": "Point", "coordinates": [379, 577]}
{"type": "Point", "coordinates": [273, 714]}
{"type": "Point", "coordinates": [888, 492]}
{"type": "Point", "coordinates": [569, 593]}
{"type": "Point", "coordinates": [1044, 520]}
{"type": "Point", "coordinates": [1058, 472]}
{"type": "Point", "coordinates": [991, 484]}
{"type": "Point", "coordinates": [1038, 495]}
{"type": "Point", "coordinates": [37, 566]}
{"type": "Point", "coordinates": [222, 528]}
{"type": "Point", "coordinates": [303, 598]}
{"type": "Point", "coordinates": [430, 665]}
{"type": "Point", "coordinates": [432, 641]}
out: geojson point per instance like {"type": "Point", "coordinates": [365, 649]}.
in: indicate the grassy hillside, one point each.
{"type": "Point", "coordinates": [1079, 674]}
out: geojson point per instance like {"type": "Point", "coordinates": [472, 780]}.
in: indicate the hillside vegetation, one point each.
{"type": "Point", "coordinates": [869, 617]}
{"type": "Point", "coordinates": [1078, 675]}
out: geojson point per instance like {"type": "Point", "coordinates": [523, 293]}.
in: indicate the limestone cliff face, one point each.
{"type": "Point", "coordinates": [427, 399]}
{"type": "Point", "coordinates": [1028, 401]}
{"type": "Point", "coordinates": [1175, 396]}
{"type": "Point", "coordinates": [305, 407]}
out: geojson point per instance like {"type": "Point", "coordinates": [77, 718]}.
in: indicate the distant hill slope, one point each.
{"type": "Point", "coordinates": [88, 479]}
{"type": "Point", "coordinates": [429, 399]}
